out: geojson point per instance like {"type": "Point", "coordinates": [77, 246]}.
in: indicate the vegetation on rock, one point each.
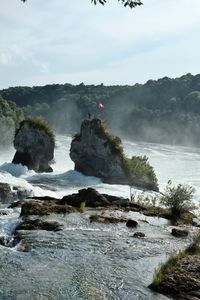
{"type": "Point", "coordinates": [135, 171]}
{"type": "Point", "coordinates": [10, 117]}
{"type": "Point", "coordinates": [177, 209]}
{"type": "Point", "coordinates": [178, 199]}
{"type": "Point", "coordinates": [138, 170]}
{"type": "Point", "coordinates": [38, 123]}
{"type": "Point", "coordinates": [179, 275]}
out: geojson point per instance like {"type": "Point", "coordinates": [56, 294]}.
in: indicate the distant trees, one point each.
{"type": "Point", "coordinates": [10, 117]}
{"type": "Point", "coordinates": [129, 3]}
{"type": "Point", "coordinates": [164, 111]}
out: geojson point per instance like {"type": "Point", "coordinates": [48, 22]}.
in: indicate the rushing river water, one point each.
{"type": "Point", "coordinates": [89, 261]}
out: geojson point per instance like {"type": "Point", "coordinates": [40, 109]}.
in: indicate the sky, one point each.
{"type": "Point", "coordinates": [45, 42]}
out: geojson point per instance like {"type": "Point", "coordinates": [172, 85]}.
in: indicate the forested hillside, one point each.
{"type": "Point", "coordinates": [10, 116]}
{"type": "Point", "coordinates": [165, 110]}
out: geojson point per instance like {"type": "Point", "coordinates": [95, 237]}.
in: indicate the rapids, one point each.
{"type": "Point", "coordinates": [89, 261]}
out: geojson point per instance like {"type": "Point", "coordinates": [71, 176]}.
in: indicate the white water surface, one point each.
{"type": "Point", "coordinates": [176, 163]}
{"type": "Point", "coordinates": [89, 260]}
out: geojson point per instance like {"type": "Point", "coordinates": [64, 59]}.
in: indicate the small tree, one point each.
{"type": "Point", "coordinates": [178, 199]}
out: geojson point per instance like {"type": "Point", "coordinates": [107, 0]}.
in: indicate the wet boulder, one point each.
{"type": "Point", "coordinates": [93, 198]}
{"type": "Point", "coordinates": [39, 224]}
{"type": "Point", "coordinates": [179, 232]}
{"type": "Point", "coordinates": [90, 196]}
{"type": "Point", "coordinates": [131, 223]}
{"type": "Point", "coordinates": [139, 234]}
{"type": "Point", "coordinates": [45, 207]}
{"type": "Point", "coordinates": [34, 143]}
{"type": "Point", "coordinates": [6, 194]}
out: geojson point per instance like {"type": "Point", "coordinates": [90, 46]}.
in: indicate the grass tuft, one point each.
{"type": "Point", "coordinates": [40, 123]}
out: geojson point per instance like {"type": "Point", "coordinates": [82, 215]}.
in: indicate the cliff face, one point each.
{"type": "Point", "coordinates": [35, 147]}
{"type": "Point", "coordinates": [93, 155]}
{"type": "Point", "coordinates": [96, 152]}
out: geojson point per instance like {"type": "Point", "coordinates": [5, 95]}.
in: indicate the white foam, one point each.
{"type": "Point", "coordinates": [15, 170]}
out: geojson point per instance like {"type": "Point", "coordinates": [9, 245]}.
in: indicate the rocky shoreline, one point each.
{"type": "Point", "coordinates": [106, 209]}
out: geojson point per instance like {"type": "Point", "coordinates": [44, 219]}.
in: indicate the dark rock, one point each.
{"type": "Point", "coordinates": [183, 282]}
{"type": "Point", "coordinates": [107, 219]}
{"type": "Point", "coordinates": [38, 224]}
{"type": "Point", "coordinates": [39, 207]}
{"type": "Point", "coordinates": [35, 147]}
{"type": "Point", "coordinates": [116, 200]}
{"type": "Point", "coordinates": [139, 234]}
{"type": "Point", "coordinates": [8, 241]}
{"type": "Point", "coordinates": [179, 232]}
{"type": "Point", "coordinates": [131, 223]}
{"type": "Point", "coordinates": [90, 196]}
{"type": "Point", "coordinates": [4, 240]}
{"type": "Point", "coordinates": [6, 194]}
{"type": "Point", "coordinates": [16, 204]}
{"type": "Point", "coordinates": [3, 213]}
{"type": "Point", "coordinates": [72, 200]}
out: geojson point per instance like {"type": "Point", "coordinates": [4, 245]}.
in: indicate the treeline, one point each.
{"type": "Point", "coordinates": [165, 110]}
{"type": "Point", "coordinates": [10, 117]}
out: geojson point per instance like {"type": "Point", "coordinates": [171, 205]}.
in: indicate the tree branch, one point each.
{"type": "Point", "coordinates": [130, 3]}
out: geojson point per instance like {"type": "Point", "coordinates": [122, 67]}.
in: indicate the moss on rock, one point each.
{"type": "Point", "coordinates": [97, 152]}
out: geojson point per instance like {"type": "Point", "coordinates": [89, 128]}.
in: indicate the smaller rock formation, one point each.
{"type": "Point", "coordinates": [72, 203]}
{"type": "Point", "coordinates": [96, 152]}
{"type": "Point", "coordinates": [90, 196]}
{"type": "Point", "coordinates": [93, 198]}
{"type": "Point", "coordinates": [179, 232]}
{"type": "Point", "coordinates": [139, 234]}
{"type": "Point", "coordinates": [34, 142]}
{"type": "Point", "coordinates": [131, 223]}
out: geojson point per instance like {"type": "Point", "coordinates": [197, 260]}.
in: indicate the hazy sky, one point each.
{"type": "Point", "coordinates": [74, 41]}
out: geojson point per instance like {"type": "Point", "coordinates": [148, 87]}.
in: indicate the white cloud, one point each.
{"type": "Point", "coordinates": [5, 59]}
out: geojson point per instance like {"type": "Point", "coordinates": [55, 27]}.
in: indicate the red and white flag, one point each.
{"type": "Point", "coordinates": [100, 106]}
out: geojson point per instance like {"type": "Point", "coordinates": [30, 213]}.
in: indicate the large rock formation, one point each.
{"type": "Point", "coordinates": [34, 142]}
{"type": "Point", "coordinates": [96, 152]}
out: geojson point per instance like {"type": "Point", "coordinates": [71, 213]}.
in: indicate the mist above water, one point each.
{"type": "Point", "coordinates": [177, 163]}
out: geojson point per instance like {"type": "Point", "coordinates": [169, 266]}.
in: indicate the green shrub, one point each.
{"type": "Point", "coordinates": [178, 199]}
{"type": "Point", "coordinates": [39, 122]}
{"type": "Point", "coordinates": [137, 169]}
{"type": "Point", "coordinates": [140, 172]}
{"type": "Point", "coordinates": [167, 267]}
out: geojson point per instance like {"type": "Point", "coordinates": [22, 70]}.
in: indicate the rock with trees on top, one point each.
{"type": "Point", "coordinates": [96, 152]}
{"type": "Point", "coordinates": [34, 142]}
